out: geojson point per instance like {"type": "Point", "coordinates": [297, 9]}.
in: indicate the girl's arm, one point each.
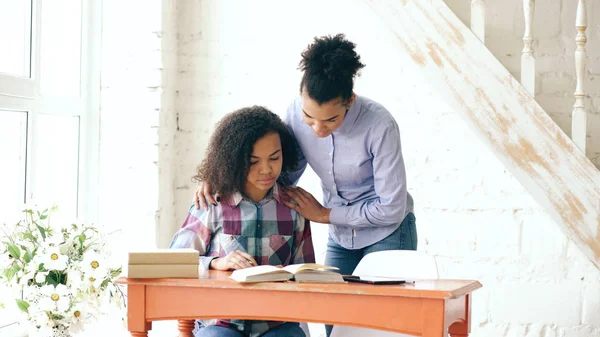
{"type": "Point", "coordinates": [196, 232]}
{"type": "Point", "coordinates": [303, 246]}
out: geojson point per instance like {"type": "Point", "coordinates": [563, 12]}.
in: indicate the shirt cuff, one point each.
{"type": "Point", "coordinates": [205, 262]}
{"type": "Point", "coordinates": [338, 216]}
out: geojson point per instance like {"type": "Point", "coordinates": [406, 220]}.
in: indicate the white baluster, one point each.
{"type": "Point", "coordinates": [527, 58]}
{"type": "Point", "coordinates": [478, 19]}
{"type": "Point", "coordinates": [578, 127]}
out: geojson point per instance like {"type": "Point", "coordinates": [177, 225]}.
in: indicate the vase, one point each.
{"type": "Point", "coordinates": [61, 331]}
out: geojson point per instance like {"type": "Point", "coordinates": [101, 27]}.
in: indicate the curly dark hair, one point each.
{"type": "Point", "coordinates": [227, 160]}
{"type": "Point", "coordinates": [329, 64]}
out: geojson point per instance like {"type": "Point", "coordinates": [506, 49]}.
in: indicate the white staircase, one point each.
{"type": "Point", "coordinates": [502, 112]}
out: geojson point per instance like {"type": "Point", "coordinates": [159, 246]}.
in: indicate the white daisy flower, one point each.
{"type": "Point", "coordinates": [92, 280]}
{"type": "Point", "coordinates": [93, 262]}
{"type": "Point", "coordinates": [94, 269]}
{"type": "Point", "coordinates": [76, 318]}
{"type": "Point", "coordinates": [53, 259]}
{"type": "Point", "coordinates": [54, 298]}
{"type": "Point", "coordinates": [76, 315]}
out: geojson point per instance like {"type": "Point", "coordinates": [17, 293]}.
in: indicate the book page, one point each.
{"type": "Point", "coordinates": [258, 270]}
{"type": "Point", "coordinates": [294, 268]}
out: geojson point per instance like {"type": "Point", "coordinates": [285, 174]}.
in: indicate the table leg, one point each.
{"type": "Point", "coordinates": [136, 314]}
{"type": "Point", "coordinates": [458, 329]}
{"type": "Point", "coordinates": [432, 324]}
{"type": "Point", "coordinates": [185, 328]}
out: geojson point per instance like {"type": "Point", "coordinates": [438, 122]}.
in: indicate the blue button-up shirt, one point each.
{"type": "Point", "coordinates": [361, 169]}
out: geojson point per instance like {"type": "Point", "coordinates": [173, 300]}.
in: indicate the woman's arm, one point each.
{"type": "Point", "coordinates": [390, 186]}
{"type": "Point", "coordinates": [291, 178]}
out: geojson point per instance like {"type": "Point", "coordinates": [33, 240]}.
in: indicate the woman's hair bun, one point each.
{"type": "Point", "coordinates": [332, 58]}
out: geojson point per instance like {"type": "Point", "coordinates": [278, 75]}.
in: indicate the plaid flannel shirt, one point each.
{"type": "Point", "coordinates": [271, 232]}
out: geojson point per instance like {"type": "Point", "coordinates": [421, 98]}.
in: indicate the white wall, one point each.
{"type": "Point", "coordinates": [130, 117]}
{"type": "Point", "coordinates": [216, 56]}
{"type": "Point", "coordinates": [137, 123]}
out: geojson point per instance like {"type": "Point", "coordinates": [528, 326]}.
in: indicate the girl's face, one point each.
{"type": "Point", "coordinates": [323, 118]}
{"type": "Point", "coordinates": [265, 166]}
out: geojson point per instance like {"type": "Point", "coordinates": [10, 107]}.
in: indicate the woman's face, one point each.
{"type": "Point", "coordinates": [323, 118]}
{"type": "Point", "coordinates": [265, 165]}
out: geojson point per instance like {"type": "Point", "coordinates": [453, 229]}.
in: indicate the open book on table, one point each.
{"type": "Point", "coordinates": [305, 272]}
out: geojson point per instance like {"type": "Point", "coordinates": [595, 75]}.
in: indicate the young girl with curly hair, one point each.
{"type": "Point", "coordinates": [353, 144]}
{"type": "Point", "coordinates": [251, 225]}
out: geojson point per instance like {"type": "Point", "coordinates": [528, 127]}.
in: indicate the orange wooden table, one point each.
{"type": "Point", "coordinates": [425, 308]}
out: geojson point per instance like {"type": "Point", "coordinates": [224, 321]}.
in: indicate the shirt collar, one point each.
{"type": "Point", "coordinates": [350, 118]}
{"type": "Point", "coordinates": [274, 193]}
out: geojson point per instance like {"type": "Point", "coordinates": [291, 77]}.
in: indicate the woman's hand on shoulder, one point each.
{"type": "Point", "coordinates": [203, 196]}
{"type": "Point", "coordinates": [306, 205]}
{"type": "Point", "coordinates": [234, 260]}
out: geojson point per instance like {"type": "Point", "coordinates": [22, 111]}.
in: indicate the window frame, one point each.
{"type": "Point", "coordinates": [23, 94]}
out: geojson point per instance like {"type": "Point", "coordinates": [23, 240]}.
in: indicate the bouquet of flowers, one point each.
{"type": "Point", "coordinates": [59, 274]}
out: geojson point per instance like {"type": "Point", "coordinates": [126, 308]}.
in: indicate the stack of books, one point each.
{"type": "Point", "coordinates": [163, 263]}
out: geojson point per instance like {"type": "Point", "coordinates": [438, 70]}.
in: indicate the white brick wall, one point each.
{"type": "Point", "coordinates": [506, 303]}
{"type": "Point", "coordinates": [471, 213]}
{"type": "Point", "coordinates": [217, 56]}
{"type": "Point", "coordinates": [130, 116]}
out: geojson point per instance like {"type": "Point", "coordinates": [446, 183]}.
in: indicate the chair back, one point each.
{"type": "Point", "coordinates": [408, 264]}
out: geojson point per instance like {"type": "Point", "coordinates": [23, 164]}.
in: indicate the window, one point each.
{"type": "Point", "coordinates": [49, 84]}
{"type": "Point", "coordinates": [15, 35]}
{"type": "Point", "coordinates": [60, 61]}
{"type": "Point", "coordinates": [47, 107]}
{"type": "Point", "coordinates": [13, 150]}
